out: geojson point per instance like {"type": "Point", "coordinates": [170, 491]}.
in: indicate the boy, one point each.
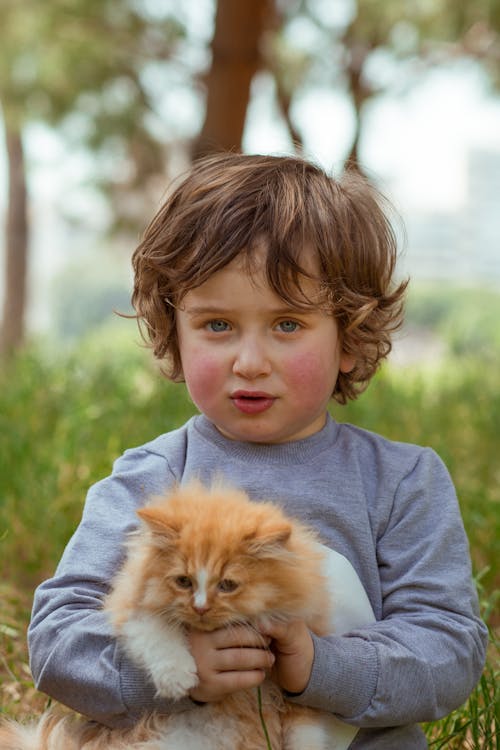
{"type": "Point", "coordinates": [267, 286]}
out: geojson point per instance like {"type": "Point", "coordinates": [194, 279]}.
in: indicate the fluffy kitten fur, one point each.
{"type": "Point", "coordinates": [205, 558]}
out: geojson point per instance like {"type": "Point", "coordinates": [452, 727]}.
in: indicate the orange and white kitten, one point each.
{"type": "Point", "coordinates": [205, 558]}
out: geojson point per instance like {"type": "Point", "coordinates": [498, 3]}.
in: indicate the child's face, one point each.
{"type": "Point", "coordinates": [259, 369]}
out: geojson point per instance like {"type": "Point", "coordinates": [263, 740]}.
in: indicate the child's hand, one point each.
{"type": "Point", "coordinates": [228, 660]}
{"type": "Point", "coordinates": [293, 648]}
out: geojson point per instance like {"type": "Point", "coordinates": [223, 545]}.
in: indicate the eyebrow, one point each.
{"type": "Point", "coordinates": [202, 310]}
{"type": "Point", "coordinates": [218, 310]}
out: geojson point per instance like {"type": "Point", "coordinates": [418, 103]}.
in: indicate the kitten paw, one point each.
{"type": "Point", "coordinates": [163, 652]}
{"type": "Point", "coordinates": [177, 686]}
{"type": "Point", "coordinates": [175, 681]}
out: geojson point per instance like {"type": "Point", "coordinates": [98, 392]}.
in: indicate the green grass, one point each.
{"type": "Point", "coordinates": [64, 418]}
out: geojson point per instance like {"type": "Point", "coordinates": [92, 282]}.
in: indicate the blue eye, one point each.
{"type": "Point", "coordinates": [218, 326]}
{"type": "Point", "coordinates": [288, 326]}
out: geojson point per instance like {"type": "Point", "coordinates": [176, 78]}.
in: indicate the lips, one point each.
{"type": "Point", "coordinates": [252, 402]}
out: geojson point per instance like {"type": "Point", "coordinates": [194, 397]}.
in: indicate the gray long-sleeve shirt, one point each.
{"type": "Point", "coordinates": [389, 508]}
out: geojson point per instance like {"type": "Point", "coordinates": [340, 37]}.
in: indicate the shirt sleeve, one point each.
{"type": "Point", "coordinates": [424, 656]}
{"type": "Point", "coordinates": [74, 656]}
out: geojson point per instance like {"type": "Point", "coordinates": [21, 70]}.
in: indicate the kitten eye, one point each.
{"type": "Point", "coordinates": [184, 582]}
{"type": "Point", "coordinates": [227, 585]}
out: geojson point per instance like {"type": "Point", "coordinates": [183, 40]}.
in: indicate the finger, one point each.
{"type": "Point", "coordinates": [287, 636]}
{"type": "Point", "coordinates": [241, 659]}
{"type": "Point", "coordinates": [230, 682]}
{"type": "Point", "coordinates": [226, 683]}
{"type": "Point", "coordinates": [273, 629]}
{"type": "Point", "coordinates": [239, 636]}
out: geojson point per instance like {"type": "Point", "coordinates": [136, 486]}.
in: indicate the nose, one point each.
{"type": "Point", "coordinates": [201, 609]}
{"type": "Point", "coordinates": [251, 359]}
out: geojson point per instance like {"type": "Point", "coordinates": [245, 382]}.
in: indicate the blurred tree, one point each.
{"type": "Point", "coordinates": [87, 59]}
{"type": "Point", "coordinates": [16, 228]}
{"type": "Point", "coordinates": [362, 47]}
{"type": "Point", "coordinates": [236, 57]}
{"type": "Point", "coordinates": [97, 69]}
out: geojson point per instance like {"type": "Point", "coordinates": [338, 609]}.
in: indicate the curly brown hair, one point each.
{"type": "Point", "coordinates": [231, 204]}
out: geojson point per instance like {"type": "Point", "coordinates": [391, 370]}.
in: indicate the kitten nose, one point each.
{"type": "Point", "coordinates": [201, 609]}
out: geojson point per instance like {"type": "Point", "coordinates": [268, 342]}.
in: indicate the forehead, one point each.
{"type": "Point", "coordinates": [244, 286]}
{"type": "Point", "coordinates": [259, 273]}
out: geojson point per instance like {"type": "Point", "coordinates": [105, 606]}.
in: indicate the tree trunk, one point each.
{"type": "Point", "coordinates": [235, 60]}
{"type": "Point", "coordinates": [360, 93]}
{"type": "Point", "coordinates": [285, 104]}
{"type": "Point", "coordinates": [16, 248]}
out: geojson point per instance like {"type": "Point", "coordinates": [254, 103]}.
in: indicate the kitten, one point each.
{"type": "Point", "coordinates": [205, 558]}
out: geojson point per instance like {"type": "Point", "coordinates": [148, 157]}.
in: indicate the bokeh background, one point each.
{"type": "Point", "coordinates": [103, 103]}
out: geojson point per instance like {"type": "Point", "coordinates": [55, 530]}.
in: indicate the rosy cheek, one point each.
{"type": "Point", "coordinates": [309, 376]}
{"type": "Point", "coordinates": [203, 377]}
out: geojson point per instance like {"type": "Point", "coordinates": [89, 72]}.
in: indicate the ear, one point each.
{"type": "Point", "coordinates": [164, 530]}
{"type": "Point", "coordinates": [347, 362]}
{"type": "Point", "coordinates": [268, 540]}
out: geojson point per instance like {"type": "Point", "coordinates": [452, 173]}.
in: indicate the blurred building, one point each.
{"type": "Point", "coordinates": [460, 246]}
{"type": "Point", "coordinates": [481, 220]}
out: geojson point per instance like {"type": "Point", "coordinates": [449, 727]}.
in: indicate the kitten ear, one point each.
{"type": "Point", "coordinates": [164, 530]}
{"type": "Point", "coordinates": [268, 540]}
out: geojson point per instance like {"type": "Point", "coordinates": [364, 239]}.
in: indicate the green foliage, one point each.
{"type": "Point", "coordinates": [55, 53]}
{"type": "Point", "coordinates": [64, 419]}
{"type": "Point", "coordinates": [84, 66]}
{"type": "Point", "coordinates": [466, 318]}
